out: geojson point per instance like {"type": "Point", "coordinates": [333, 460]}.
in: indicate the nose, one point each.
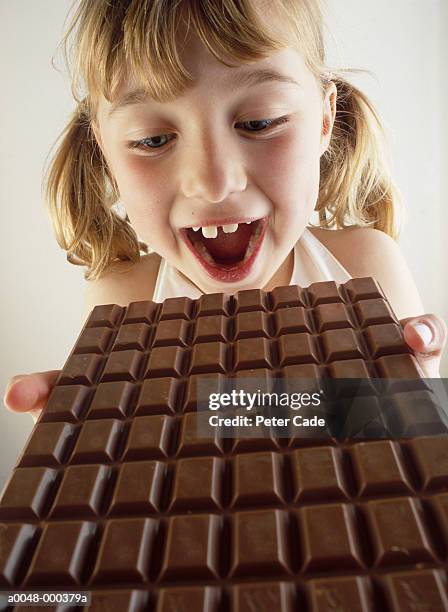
{"type": "Point", "coordinates": [212, 170]}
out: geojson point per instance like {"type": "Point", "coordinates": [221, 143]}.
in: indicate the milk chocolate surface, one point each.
{"type": "Point", "coordinates": [116, 494]}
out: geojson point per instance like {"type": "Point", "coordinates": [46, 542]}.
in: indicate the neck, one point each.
{"type": "Point", "coordinates": [283, 275]}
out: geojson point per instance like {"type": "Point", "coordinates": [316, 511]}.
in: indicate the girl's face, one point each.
{"type": "Point", "coordinates": [237, 156]}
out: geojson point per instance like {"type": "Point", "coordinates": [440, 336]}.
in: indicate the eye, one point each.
{"type": "Point", "coordinates": [159, 141]}
{"type": "Point", "coordinates": [152, 142]}
{"type": "Point", "coordinates": [257, 125]}
{"type": "Point", "coordinates": [268, 123]}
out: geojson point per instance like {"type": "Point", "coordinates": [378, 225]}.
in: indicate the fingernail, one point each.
{"type": "Point", "coordinates": [12, 383]}
{"type": "Point", "coordinates": [9, 386]}
{"type": "Point", "coordinates": [424, 331]}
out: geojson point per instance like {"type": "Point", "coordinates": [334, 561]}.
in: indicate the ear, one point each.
{"type": "Point", "coordinates": [99, 140]}
{"type": "Point", "coordinates": [328, 116]}
{"type": "Point", "coordinates": [96, 133]}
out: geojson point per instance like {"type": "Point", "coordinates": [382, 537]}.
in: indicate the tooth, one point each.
{"type": "Point", "coordinates": [248, 222]}
{"type": "Point", "coordinates": [229, 229]}
{"type": "Point", "coordinates": [210, 231]}
{"type": "Point", "coordinates": [196, 228]}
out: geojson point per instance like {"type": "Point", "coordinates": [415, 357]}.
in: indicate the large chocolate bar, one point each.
{"type": "Point", "coordinates": [117, 495]}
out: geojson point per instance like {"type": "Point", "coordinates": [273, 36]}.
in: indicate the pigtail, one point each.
{"type": "Point", "coordinates": [80, 194]}
{"type": "Point", "coordinates": [356, 188]}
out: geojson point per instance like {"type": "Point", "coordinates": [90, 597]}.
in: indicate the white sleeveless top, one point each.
{"type": "Point", "coordinates": [313, 262]}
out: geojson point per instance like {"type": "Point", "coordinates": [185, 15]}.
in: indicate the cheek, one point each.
{"type": "Point", "coordinates": [294, 166]}
{"type": "Point", "coordinates": [145, 194]}
{"type": "Point", "coordinates": [139, 184]}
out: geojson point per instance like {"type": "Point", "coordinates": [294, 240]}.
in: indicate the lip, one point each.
{"type": "Point", "coordinates": [224, 221]}
{"type": "Point", "coordinates": [237, 273]}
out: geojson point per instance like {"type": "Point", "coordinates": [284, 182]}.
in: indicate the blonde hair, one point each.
{"type": "Point", "coordinates": [142, 36]}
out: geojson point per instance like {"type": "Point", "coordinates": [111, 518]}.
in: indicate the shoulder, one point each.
{"type": "Point", "coordinates": [370, 252]}
{"type": "Point", "coordinates": [354, 247]}
{"type": "Point", "coordinates": [124, 282]}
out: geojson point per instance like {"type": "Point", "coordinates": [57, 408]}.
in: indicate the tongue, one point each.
{"type": "Point", "coordinates": [229, 247]}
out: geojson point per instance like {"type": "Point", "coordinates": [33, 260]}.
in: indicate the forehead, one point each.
{"type": "Point", "coordinates": [284, 68]}
{"type": "Point", "coordinates": [203, 65]}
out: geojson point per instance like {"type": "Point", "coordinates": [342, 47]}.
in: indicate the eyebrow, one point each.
{"type": "Point", "coordinates": [240, 79]}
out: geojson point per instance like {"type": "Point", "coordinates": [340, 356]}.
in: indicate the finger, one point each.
{"type": "Point", "coordinates": [35, 414]}
{"type": "Point", "coordinates": [426, 334]}
{"type": "Point", "coordinates": [27, 392]}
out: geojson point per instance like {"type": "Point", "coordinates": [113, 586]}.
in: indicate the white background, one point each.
{"type": "Point", "coordinates": [403, 42]}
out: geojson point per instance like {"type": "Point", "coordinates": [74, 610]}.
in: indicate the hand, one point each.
{"type": "Point", "coordinates": [426, 335]}
{"type": "Point", "coordinates": [29, 392]}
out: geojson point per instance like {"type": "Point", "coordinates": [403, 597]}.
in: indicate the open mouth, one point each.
{"type": "Point", "coordinates": [227, 252]}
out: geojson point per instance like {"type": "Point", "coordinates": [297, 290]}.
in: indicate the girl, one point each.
{"type": "Point", "coordinates": [221, 130]}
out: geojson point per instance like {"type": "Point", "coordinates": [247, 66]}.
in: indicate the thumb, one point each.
{"type": "Point", "coordinates": [426, 334]}
{"type": "Point", "coordinates": [27, 392]}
